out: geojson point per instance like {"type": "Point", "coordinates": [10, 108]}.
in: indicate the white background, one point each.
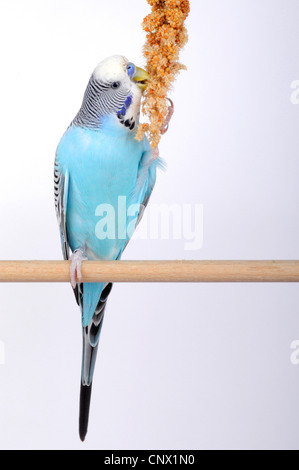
{"type": "Point", "coordinates": [180, 366]}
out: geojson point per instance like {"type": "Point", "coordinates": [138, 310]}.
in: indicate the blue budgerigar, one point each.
{"type": "Point", "coordinates": [99, 161]}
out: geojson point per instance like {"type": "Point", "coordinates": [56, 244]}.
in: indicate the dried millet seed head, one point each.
{"type": "Point", "coordinates": [166, 35]}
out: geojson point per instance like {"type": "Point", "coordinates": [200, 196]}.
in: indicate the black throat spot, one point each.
{"type": "Point", "coordinates": [129, 123]}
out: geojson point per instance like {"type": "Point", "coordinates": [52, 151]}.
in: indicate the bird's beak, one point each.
{"type": "Point", "coordinates": [141, 78]}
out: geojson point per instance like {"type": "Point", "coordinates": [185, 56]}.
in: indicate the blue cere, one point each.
{"type": "Point", "coordinates": [131, 69]}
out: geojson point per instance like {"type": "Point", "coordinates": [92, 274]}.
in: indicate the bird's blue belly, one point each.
{"type": "Point", "coordinates": [103, 171]}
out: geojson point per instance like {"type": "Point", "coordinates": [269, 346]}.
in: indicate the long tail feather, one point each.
{"type": "Point", "coordinates": [85, 396]}
{"type": "Point", "coordinates": [91, 337]}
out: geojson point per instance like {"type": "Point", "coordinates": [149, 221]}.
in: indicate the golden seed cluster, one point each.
{"type": "Point", "coordinates": [166, 35]}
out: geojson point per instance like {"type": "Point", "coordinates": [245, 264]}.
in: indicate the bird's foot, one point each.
{"type": "Point", "coordinates": [155, 153]}
{"type": "Point", "coordinates": [164, 129]}
{"type": "Point", "coordinates": [76, 264]}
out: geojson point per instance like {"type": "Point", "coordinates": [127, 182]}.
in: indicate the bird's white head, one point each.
{"type": "Point", "coordinates": [115, 88]}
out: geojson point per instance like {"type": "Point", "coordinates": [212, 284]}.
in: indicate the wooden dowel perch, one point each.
{"type": "Point", "coordinates": [152, 271]}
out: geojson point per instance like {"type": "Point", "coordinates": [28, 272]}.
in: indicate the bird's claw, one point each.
{"type": "Point", "coordinates": [164, 129]}
{"type": "Point", "coordinates": [76, 264]}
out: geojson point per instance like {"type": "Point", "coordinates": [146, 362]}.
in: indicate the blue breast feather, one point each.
{"type": "Point", "coordinates": [103, 166]}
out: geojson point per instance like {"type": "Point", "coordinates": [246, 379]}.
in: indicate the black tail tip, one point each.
{"type": "Point", "coordinates": [85, 396]}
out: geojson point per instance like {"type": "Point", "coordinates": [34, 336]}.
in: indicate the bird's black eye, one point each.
{"type": "Point", "coordinates": [115, 85]}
